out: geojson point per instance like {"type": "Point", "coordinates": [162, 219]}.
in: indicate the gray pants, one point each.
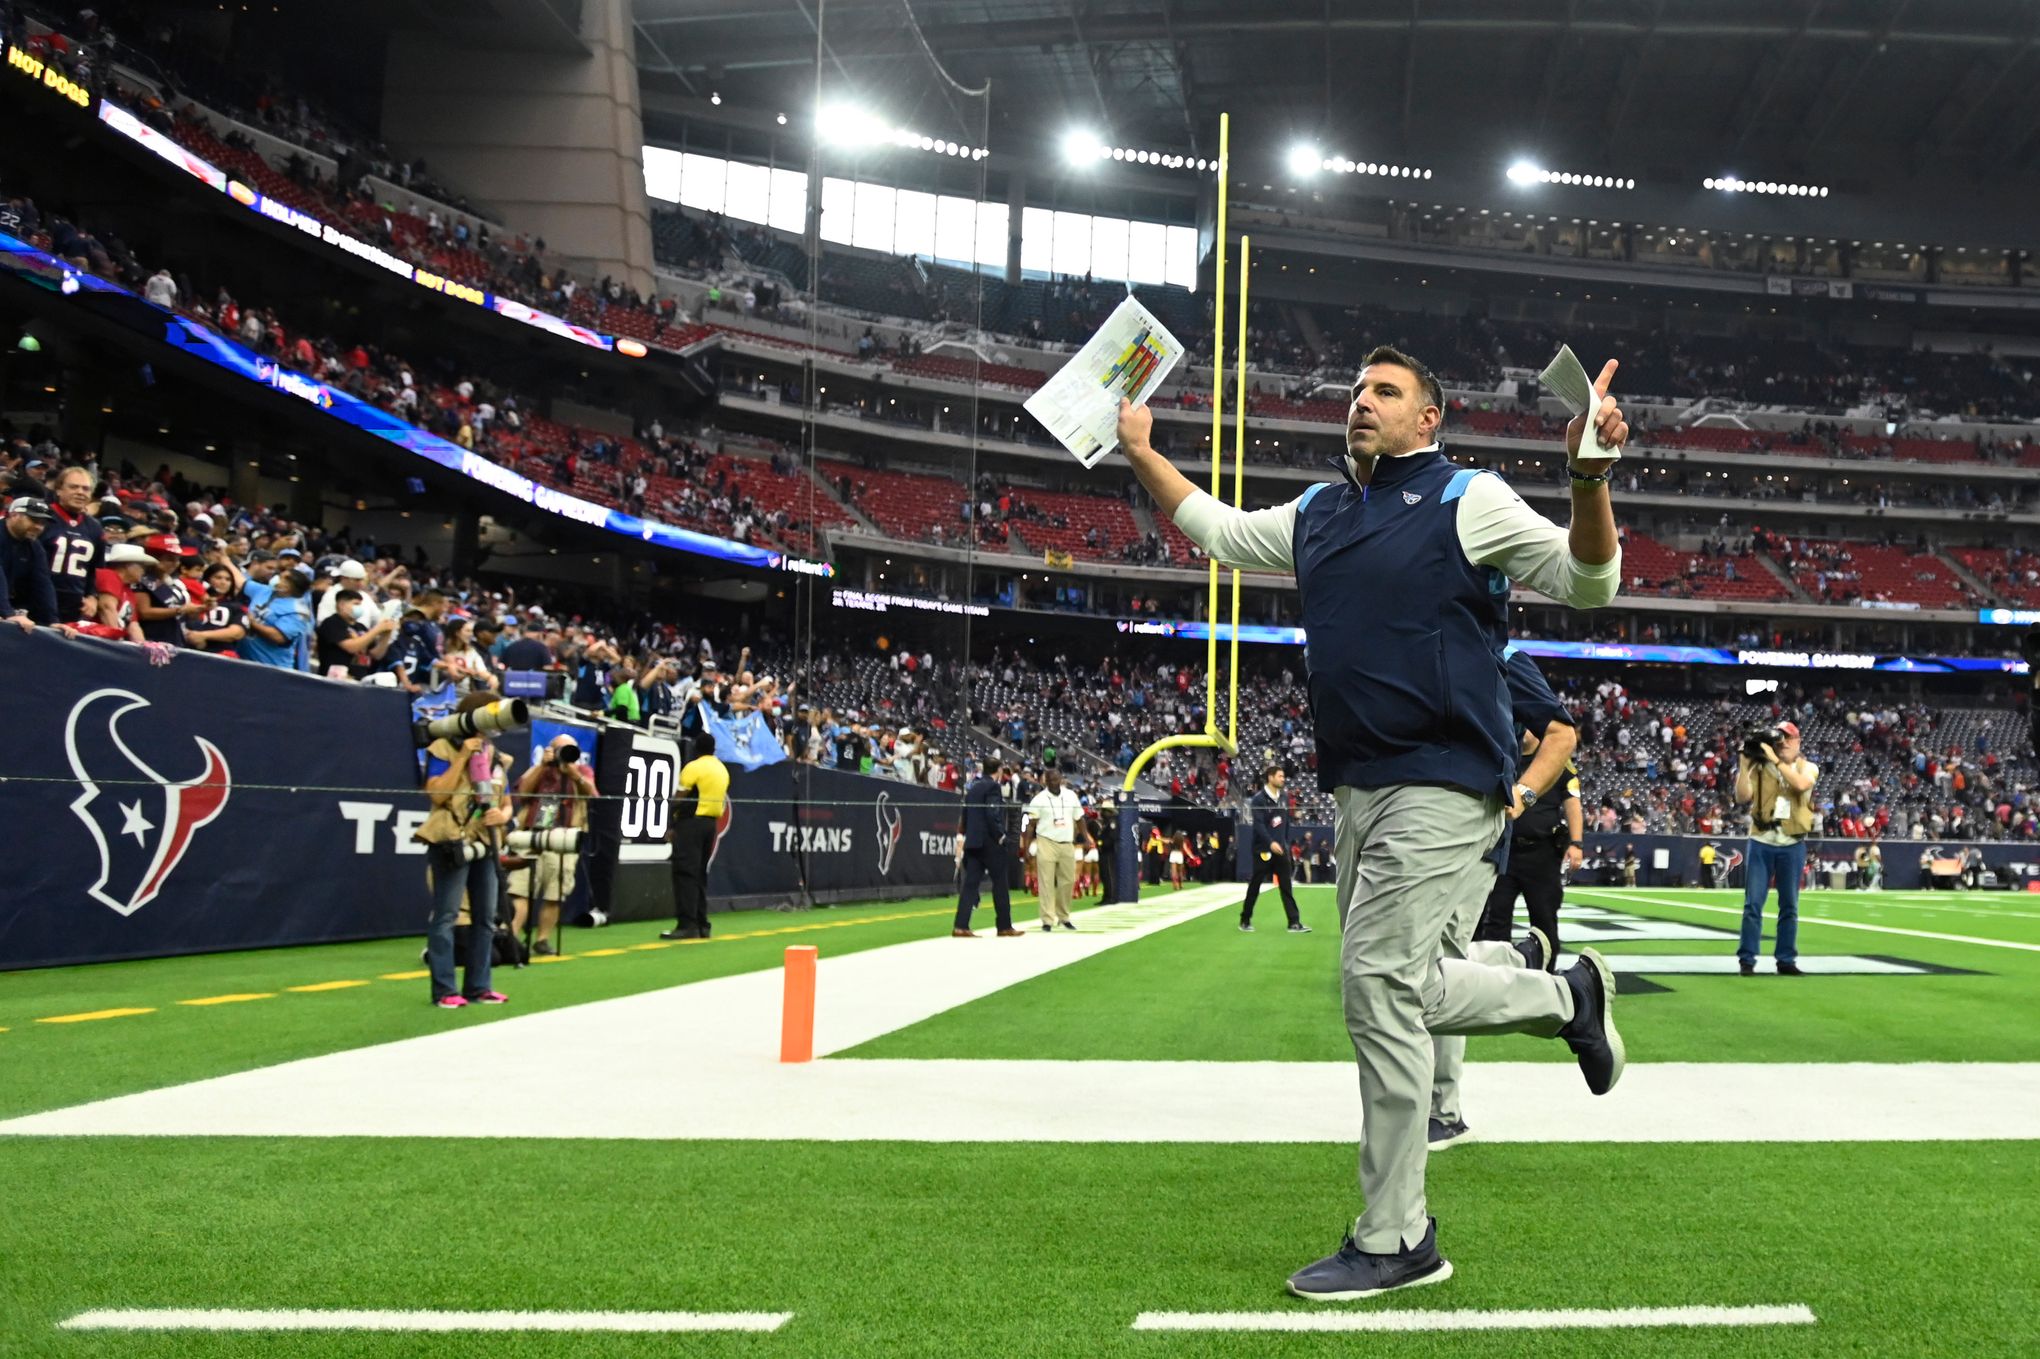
{"type": "Point", "coordinates": [1448, 1052]}
{"type": "Point", "coordinates": [1411, 883]}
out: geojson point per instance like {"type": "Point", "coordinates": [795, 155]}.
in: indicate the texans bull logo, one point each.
{"type": "Point", "coordinates": [722, 826]}
{"type": "Point", "coordinates": [142, 822]}
{"type": "Point", "coordinates": [888, 832]}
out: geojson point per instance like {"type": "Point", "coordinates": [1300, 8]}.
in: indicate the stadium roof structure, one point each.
{"type": "Point", "coordinates": [1870, 91]}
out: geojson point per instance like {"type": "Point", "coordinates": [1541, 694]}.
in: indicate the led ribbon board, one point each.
{"type": "Point", "coordinates": [1629, 652]}
{"type": "Point", "coordinates": [35, 266]}
{"type": "Point", "coordinates": [175, 154]}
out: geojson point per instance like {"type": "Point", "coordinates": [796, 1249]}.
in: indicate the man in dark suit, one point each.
{"type": "Point", "coordinates": [1269, 812]}
{"type": "Point", "coordinates": [985, 852]}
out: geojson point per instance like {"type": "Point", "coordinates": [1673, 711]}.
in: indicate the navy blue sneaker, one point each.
{"type": "Point", "coordinates": [1353, 1274]}
{"type": "Point", "coordinates": [1535, 948]}
{"type": "Point", "coordinates": [1590, 1033]}
{"type": "Point", "coordinates": [1446, 1132]}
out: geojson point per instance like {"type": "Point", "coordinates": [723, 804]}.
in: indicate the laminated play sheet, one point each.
{"type": "Point", "coordinates": [1566, 378]}
{"type": "Point", "coordinates": [1128, 357]}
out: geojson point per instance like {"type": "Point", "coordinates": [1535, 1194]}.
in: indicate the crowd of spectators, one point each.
{"type": "Point", "coordinates": [173, 565]}
{"type": "Point", "coordinates": [676, 475]}
{"type": "Point", "coordinates": [1889, 768]}
{"type": "Point", "coordinates": [678, 478]}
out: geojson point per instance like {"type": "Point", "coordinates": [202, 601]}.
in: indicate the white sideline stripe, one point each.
{"type": "Point", "coordinates": [1571, 1318]}
{"type": "Point", "coordinates": [1873, 901]}
{"type": "Point", "coordinates": [611, 1083]}
{"type": "Point", "coordinates": [306, 1319]}
{"type": "Point", "coordinates": [383, 1090]}
{"type": "Point", "coordinates": [1805, 919]}
{"type": "Point", "coordinates": [612, 1074]}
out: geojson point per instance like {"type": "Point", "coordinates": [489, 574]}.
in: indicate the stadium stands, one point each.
{"type": "Point", "coordinates": [757, 493]}
{"type": "Point", "coordinates": [1652, 568]}
{"type": "Point", "coordinates": [2012, 574]}
{"type": "Point", "coordinates": [1846, 572]}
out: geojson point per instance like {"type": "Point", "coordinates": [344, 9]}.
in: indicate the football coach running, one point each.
{"type": "Point", "coordinates": [1403, 566]}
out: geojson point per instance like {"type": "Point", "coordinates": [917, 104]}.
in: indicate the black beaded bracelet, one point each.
{"type": "Point", "coordinates": [1583, 479]}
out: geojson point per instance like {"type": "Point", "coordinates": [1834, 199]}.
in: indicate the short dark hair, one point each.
{"type": "Point", "coordinates": [340, 598]}
{"type": "Point", "coordinates": [1388, 353]}
{"type": "Point", "coordinates": [704, 744]}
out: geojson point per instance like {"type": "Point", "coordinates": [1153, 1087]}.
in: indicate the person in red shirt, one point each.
{"type": "Point", "coordinates": [114, 584]}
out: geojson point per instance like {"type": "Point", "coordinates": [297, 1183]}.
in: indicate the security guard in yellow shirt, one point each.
{"type": "Point", "coordinates": [697, 812]}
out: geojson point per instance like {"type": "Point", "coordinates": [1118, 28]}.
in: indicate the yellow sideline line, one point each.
{"type": "Point", "coordinates": [556, 958]}
{"type": "Point", "coordinates": [97, 1014]}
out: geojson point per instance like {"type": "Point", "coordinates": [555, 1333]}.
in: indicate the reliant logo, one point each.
{"type": "Point", "coordinates": [293, 384]}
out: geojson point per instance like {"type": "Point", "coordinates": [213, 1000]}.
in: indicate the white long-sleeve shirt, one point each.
{"type": "Point", "coordinates": [1495, 529]}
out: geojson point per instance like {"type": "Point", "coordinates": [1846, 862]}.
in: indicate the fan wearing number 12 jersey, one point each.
{"type": "Point", "coordinates": [76, 544]}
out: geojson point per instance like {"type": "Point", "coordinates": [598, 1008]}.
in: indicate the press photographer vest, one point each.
{"type": "Point", "coordinates": [1763, 808]}
{"type": "Point", "coordinates": [457, 818]}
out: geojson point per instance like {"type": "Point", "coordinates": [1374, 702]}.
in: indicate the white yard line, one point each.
{"type": "Point", "coordinates": [326, 1319]}
{"type": "Point", "coordinates": [1804, 919]}
{"type": "Point", "coordinates": [594, 1080]}
{"type": "Point", "coordinates": [700, 1061]}
{"type": "Point", "coordinates": [1932, 902]}
{"type": "Point", "coordinates": [1571, 1318]}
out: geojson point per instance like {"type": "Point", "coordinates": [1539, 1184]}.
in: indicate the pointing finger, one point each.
{"type": "Point", "coordinates": [1602, 382]}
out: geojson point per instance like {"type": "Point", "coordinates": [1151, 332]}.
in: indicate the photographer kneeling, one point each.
{"type": "Point", "coordinates": [463, 832]}
{"type": "Point", "coordinates": [551, 812]}
{"type": "Point", "coordinates": [1777, 785]}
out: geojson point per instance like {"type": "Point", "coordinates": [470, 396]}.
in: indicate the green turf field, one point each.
{"type": "Point", "coordinates": [1205, 990]}
{"type": "Point", "coordinates": [882, 1249]}
{"type": "Point", "coordinates": [372, 992]}
{"type": "Point", "coordinates": [1004, 1248]}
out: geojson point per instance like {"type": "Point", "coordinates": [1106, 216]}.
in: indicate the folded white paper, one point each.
{"type": "Point", "coordinates": [1128, 357]}
{"type": "Point", "coordinates": [1566, 379]}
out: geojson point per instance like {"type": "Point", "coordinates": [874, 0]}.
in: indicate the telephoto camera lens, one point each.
{"type": "Point", "coordinates": [511, 714]}
{"type": "Point", "coordinates": [558, 840]}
